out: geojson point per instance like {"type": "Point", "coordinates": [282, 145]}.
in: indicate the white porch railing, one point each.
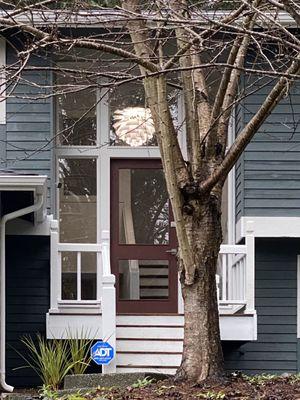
{"type": "Point", "coordinates": [235, 281]}
{"type": "Point", "coordinates": [236, 276]}
{"type": "Point", "coordinates": [105, 301]}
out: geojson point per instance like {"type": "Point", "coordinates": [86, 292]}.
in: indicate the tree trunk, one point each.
{"type": "Point", "coordinates": [202, 357]}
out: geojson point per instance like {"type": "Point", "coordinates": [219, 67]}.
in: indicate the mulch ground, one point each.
{"type": "Point", "coordinates": [238, 388]}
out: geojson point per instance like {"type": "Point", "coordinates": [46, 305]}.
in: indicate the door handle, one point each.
{"type": "Point", "coordinates": [173, 252]}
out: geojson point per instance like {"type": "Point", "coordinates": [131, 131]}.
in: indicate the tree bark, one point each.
{"type": "Point", "coordinates": [202, 353]}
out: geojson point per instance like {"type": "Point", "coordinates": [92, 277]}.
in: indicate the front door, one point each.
{"type": "Point", "coordinates": [143, 242]}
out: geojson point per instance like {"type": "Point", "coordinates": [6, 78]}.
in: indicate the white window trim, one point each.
{"type": "Point", "coordinates": [2, 81]}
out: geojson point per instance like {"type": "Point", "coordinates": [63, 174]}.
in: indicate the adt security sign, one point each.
{"type": "Point", "coordinates": [102, 353]}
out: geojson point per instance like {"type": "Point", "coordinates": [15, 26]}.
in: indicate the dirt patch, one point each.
{"type": "Point", "coordinates": [234, 388]}
{"type": "Point", "coordinates": [281, 388]}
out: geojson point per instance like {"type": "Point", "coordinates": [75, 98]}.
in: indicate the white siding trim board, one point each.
{"type": "Point", "coordinates": [273, 227]}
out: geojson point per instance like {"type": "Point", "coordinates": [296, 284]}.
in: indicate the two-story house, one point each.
{"type": "Point", "coordinates": [87, 237]}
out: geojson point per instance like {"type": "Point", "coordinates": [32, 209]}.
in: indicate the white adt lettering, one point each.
{"type": "Point", "coordinates": [102, 353]}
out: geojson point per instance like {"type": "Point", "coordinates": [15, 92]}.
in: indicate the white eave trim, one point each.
{"type": "Point", "coordinates": [35, 183]}
{"type": "Point", "coordinates": [273, 227]}
{"type": "Point", "coordinates": [22, 182]}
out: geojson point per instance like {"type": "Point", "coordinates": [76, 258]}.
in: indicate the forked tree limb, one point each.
{"type": "Point", "coordinates": [240, 143]}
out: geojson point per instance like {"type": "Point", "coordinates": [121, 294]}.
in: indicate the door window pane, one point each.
{"type": "Point", "coordinates": [143, 279]}
{"type": "Point", "coordinates": [77, 200]}
{"type": "Point", "coordinates": [143, 207]}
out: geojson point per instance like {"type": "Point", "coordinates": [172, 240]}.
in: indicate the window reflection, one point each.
{"type": "Point", "coordinates": [77, 200]}
{"type": "Point", "coordinates": [88, 276]}
{"type": "Point", "coordinates": [131, 122]}
{"type": "Point", "coordinates": [143, 207]}
{"type": "Point", "coordinates": [76, 112]}
{"type": "Point", "coordinates": [69, 276]}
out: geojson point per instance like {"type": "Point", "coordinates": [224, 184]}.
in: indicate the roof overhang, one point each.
{"type": "Point", "coordinates": [23, 182]}
{"type": "Point", "coordinates": [34, 183]}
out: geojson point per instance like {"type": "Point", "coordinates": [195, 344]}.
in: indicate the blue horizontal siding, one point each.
{"type": "Point", "coordinates": [27, 300]}
{"type": "Point", "coordinates": [275, 351]}
{"type": "Point", "coordinates": [28, 133]}
{"type": "Point", "coordinates": [270, 172]}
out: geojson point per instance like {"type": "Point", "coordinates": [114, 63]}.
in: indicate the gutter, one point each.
{"type": "Point", "coordinates": [8, 217]}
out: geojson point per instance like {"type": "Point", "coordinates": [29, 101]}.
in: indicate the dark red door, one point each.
{"type": "Point", "coordinates": [142, 239]}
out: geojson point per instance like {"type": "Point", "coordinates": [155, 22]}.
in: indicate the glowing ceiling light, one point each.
{"type": "Point", "coordinates": [134, 125]}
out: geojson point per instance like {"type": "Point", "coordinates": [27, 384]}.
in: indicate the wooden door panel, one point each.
{"type": "Point", "coordinates": [141, 238]}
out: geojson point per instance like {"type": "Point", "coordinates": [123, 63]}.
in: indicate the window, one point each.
{"type": "Point", "coordinates": [77, 200]}
{"type": "Point", "coordinates": [130, 120]}
{"type": "Point", "coordinates": [76, 131]}
{"type": "Point", "coordinates": [143, 206]}
{"type": "Point", "coordinates": [143, 279]}
{"type": "Point", "coordinates": [79, 276]}
{"type": "Point", "coordinates": [76, 111]}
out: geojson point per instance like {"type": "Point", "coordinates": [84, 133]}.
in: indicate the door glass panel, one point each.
{"type": "Point", "coordinates": [143, 279]}
{"type": "Point", "coordinates": [88, 276]}
{"type": "Point", "coordinates": [143, 207]}
{"type": "Point", "coordinates": [77, 200]}
{"type": "Point", "coordinates": [69, 275]}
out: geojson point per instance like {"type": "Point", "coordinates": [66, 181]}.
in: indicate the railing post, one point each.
{"type": "Point", "coordinates": [54, 265]}
{"type": "Point", "coordinates": [250, 267]}
{"type": "Point", "coordinates": [108, 303]}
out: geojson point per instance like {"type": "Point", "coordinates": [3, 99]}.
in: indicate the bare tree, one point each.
{"type": "Point", "coordinates": [207, 50]}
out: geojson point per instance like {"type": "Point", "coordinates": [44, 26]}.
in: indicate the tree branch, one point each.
{"type": "Point", "coordinates": [276, 94]}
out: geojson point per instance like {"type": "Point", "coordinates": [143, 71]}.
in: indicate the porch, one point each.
{"type": "Point", "coordinates": [155, 337]}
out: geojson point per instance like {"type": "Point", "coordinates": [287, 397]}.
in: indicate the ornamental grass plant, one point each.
{"type": "Point", "coordinates": [53, 359]}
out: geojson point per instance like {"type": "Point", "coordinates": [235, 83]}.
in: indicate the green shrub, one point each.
{"type": "Point", "coordinates": [79, 352]}
{"type": "Point", "coordinates": [141, 383]}
{"type": "Point", "coordinates": [50, 359]}
{"type": "Point", "coordinates": [211, 395]}
{"type": "Point", "coordinates": [259, 379]}
{"type": "Point", "coordinates": [53, 359]}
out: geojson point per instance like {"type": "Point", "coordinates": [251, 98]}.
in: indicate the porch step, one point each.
{"type": "Point", "coordinates": [149, 343]}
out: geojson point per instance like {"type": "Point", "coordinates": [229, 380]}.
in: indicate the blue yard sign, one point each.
{"type": "Point", "coordinates": [102, 353]}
